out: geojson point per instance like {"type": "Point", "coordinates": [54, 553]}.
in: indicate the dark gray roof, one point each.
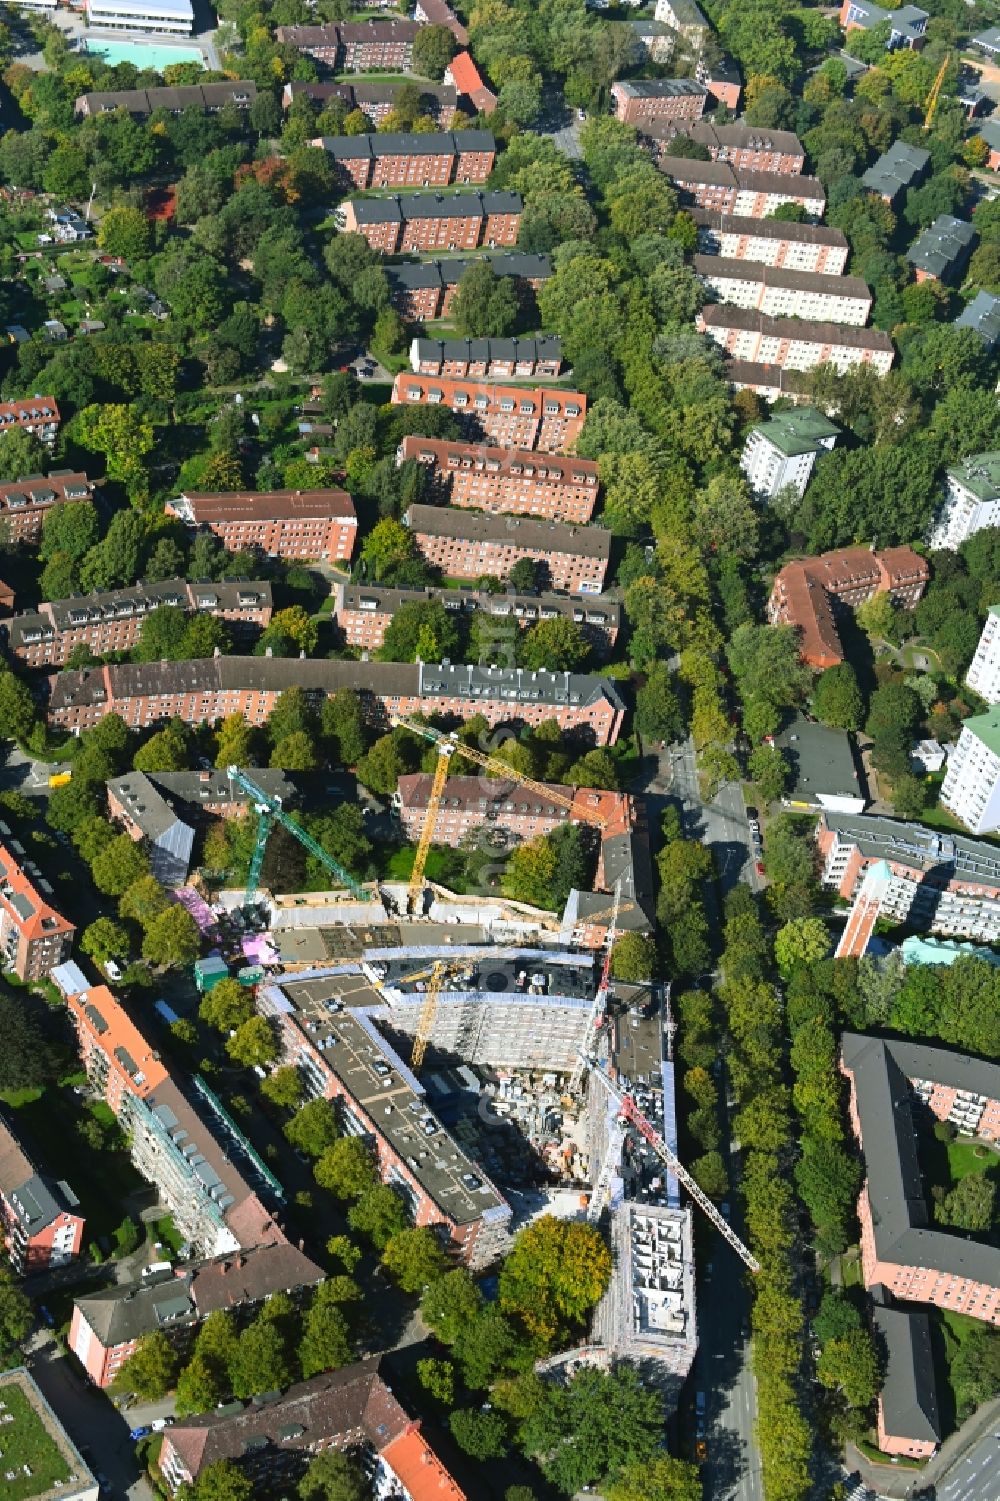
{"type": "Point", "coordinates": [661, 88]}
{"type": "Point", "coordinates": [410, 143]}
{"type": "Point", "coordinates": [596, 611]}
{"type": "Point", "coordinates": [881, 1070]}
{"type": "Point", "coordinates": [948, 856]}
{"type": "Point", "coordinates": [684, 169]}
{"type": "Point", "coordinates": [896, 169]}
{"type": "Point", "coordinates": [434, 206]}
{"type": "Point", "coordinates": [377, 211]}
{"type": "Point", "coordinates": [767, 229]}
{"type": "Point", "coordinates": [821, 759]}
{"type": "Point", "coordinates": [983, 315]}
{"type": "Point", "coordinates": [542, 536]}
{"type": "Point", "coordinates": [723, 315]}
{"type": "Point", "coordinates": [909, 1393]}
{"type": "Point", "coordinates": [142, 102]}
{"type": "Point", "coordinates": [33, 1198]}
{"type": "Point", "coordinates": [451, 679]}
{"type": "Point", "coordinates": [710, 267]}
{"type": "Point", "coordinates": [201, 787]}
{"type": "Point", "coordinates": [943, 248]}
{"type": "Point", "coordinates": [448, 273]}
{"type": "Point", "coordinates": [147, 807]}
{"type": "Point", "coordinates": [117, 604]}
{"type": "Point", "coordinates": [472, 351]}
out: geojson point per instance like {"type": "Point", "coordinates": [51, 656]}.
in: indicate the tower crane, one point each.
{"type": "Point", "coordinates": [447, 746]}
{"type": "Point", "coordinates": [600, 1003]}
{"type": "Point", "coordinates": [269, 812]}
{"type": "Point", "coordinates": [428, 1011]}
{"type": "Point", "coordinates": [630, 1113]}
{"type": "Point", "coordinates": [934, 97]}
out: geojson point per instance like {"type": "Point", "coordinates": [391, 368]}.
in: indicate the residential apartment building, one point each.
{"type": "Point", "coordinates": [722, 80]}
{"type": "Point", "coordinates": [982, 315]}
{"type": "Point", "coordinates": [794, 343]}
{"type": "Point", "coordinates": [941, 883]}
{"type": "Point", "coordinates": [898, 169]}
{"type": "Point", "coordinates": [971, 501]}
{"type": "Point", "coordinates": [34, 937]}
{"type": "Point", "coordinates": [637, 100]}
{"type": "Point", "coordinates": [684, 17]}
{"type": "Point", "coordinates": [907, 23]}
{"type": "Point", "coordinates": [983, 675]}
{"type": "Point", "coordinates": [782, 293]}
{"type": "Point", "coordinates": [492, 359]}
{"type": "Point", "coordinates": [207, 98]}
{"type": "Point", "coordinates": [942, 252]}
{"type": "Point", "coordinates": [473, 92]}
{"type": "Point", "coordinates": [470, 545]}
{"type": "Point", "coordinates": [171, 17]}
{"type": "Point", "coordinates": [24, 502]}
{"type": "Point", "coordinates": [211, 688]}
{"type": "Point", "coordinates": [363, 612]}
{"type": "Point", "coordinates": [272, 1443]}
{"type": "Point", "coordinates": [427, 222]}
{"type": "Point", "coordinates": [901, 1249]}
{"type": "Point", "coordinates": [781, 452]}
{"type": "Point", "coordinates": [37, 1431]}
{"type": "Point", "coordinates": [426, 289]}
{"type": "Point", "coordinates": [768, 381]}
{"type": "Point", "coordinates": [989, 134]}
{"type": "Point", "coordinates": [375, 100]}
{"type": "Point", "coordinates": [971, 787]}
{"type": "Point", "coordinates": [653, 39]}
{"type": "Point", "coordinates": [746, 148]}
{"type": "Point", "coordinates": [163, 810]}
{"type": "Point", "coordinates": [384, 46]}
{"type": "Point", "coordinates": [111, 620]}
{"type": "Point", "coordinates": [197, 1158]}
{"type": "Point", "coordinates": [730, 190]}
{"type": "Point", "coordinates": [440, 13]}
{"type": "Point", "coordinates": [799, 247]}
{"type": "Point", "coordinates": [907, 1420]}
{"type": "Point", "coordinates": [39, 415]}
{"type": "Point", "coordinates": [548, 420]}
{"type": "Point", "coordinates": [280, 523]}
{"type": "Point", "coordinates": [415, 159]}
{"type": "Point", "coordinates": [473, 475]}
{"type": "Point", "coordinates": [344, 1058]}
{"type": "Point", "coordinates": [40, 1222]}
{"type": "Point", "coordinates": [807, 592]}
{"type": "Point", "coordinates": [108, 1325]}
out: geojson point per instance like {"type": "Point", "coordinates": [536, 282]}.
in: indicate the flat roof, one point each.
{"type": "Point", "coordinates": [979, 474]}
{"type": "Point", "coordinates": [170, 10]}
{"type": "Point", "coordinates": [35, 1441]}
{"type": "Point", "coordinates": [798, 431]}
{"type": "Point", "coordinates": [821, 759]}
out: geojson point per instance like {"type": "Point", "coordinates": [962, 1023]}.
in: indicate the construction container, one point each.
{"type": "Point", "coordinates": [208, 972]}
{"type": "Point", "coordinates": [252, 975]}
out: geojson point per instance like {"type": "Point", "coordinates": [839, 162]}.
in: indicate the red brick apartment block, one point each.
{"type": "Point", "coordinates": [500, 479]}
{"type": "Point", "coordinates": [510, 416]}
{"type": "Point", "coordinates": [900, 1249]}
{"type": "Point", "coordinates": [524, 813]}
{"type": "Point", "coordinates": [428, 222]}
{"type": "Point", "coordinates": [356, 46]}
{"type": "Point", "coordinates": [363, 612]}
{"type": "Point", "coordinates": [38, 415]}
{"type": "Point", "coordinates": [463, 74]}
{"type": "Point", "coordinates": [24, 502]}
{"type": "Point", "coordinates": [39, 1219]}
{"type": "Point", "coordinates": [112, 620]}
{"type": "Point", "coordinates": [211, 688]}
{"type": "Point", "coordinates": [489, 359]}
{"type": "Point", "coordinates": [375, 100]}
{"type": "Point", "coordinates": [638, 100]}
{"type": "Point", "coordinates": [733, 190]}
{"type": "Point", "coordinates": [425, 289]}
{"type": "Point", "coordinates": [746, 148]}
{"type": "Point", "coordinates": [440, 13]}
{"type": "Point", "coordinates": [806, 592]}
{"type": "Point", "coordinates": [800, 247]}
{"type": "Point", "coordinates": [34, 937]}
{"type": "Point", "coordinates": [281, 523]}
{"type": "Point", "coordinates": [723, 82]}
{"type": "Point", "coordinates": [415, 159]}
{"type": "Point", "coordinates": [471, 545]}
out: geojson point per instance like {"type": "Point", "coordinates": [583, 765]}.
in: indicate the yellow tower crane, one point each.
{"type": "Point", "coordinates": [933, 98]}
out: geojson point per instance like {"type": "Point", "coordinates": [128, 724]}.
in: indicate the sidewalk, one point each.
{"type": "Point", "coordinates": [899, 1482]}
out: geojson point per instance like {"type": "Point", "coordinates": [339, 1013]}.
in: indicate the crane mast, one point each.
{"type": "Point", "coordinates": [600, 1004]}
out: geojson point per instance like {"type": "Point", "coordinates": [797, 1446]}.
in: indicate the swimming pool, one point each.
{"type": "Point", "coordinates": [143, 54]}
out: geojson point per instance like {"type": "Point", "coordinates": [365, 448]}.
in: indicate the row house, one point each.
{"type": "Point", "coordinates": [273, 1443]}
{"type": "Point", "coordinates": [206, 98]}
{"type": "Point", "coordinates": [794, 343]}
{"type": "Point", "coordinates": [783, 293]}
{"type": "Point", "coordinates": [553, 488]}
{"type": "Point", "coordinates": [772, 242]}
{"type": "Point", "coordinates": [440, 13]}
{"type": "Point", "coordinates": [494, 359]}
{"type": "Point", "coordinates": [942, 252]}
{"type": "Point", "coordinates": [733, 190]}
{"type": "Point", "coordinates": [376, 100]}
{"type": "Point", "coordinates": [108, 1325]}
{"type": "Point", "coordinates": [212, 688]}
{"type": "Point", "coordinates": [111, 620]}
{"type": "Point", "coordinates": [205, 1170]}
{"type": "Point", "coordinates": [412, 159]}
{"type": "Point", "coordinates": [356, 46]}
{"type": "Point", "coordinates": [747, 148]}
{"type": "Point", "coordinates": [426, 289]}
{"type": "Point", "coordinates": [279, 523]}
{"type": "Point", "coordinates": [40, 1221]}
{"type": "Point", "coordinates": [902, 1251]}
{"type": "Point", "coordinates": [428, 222]}
{"type": "Point", "coordinates": [344, 1058]}
{"type": "Point", "coordinates": [24, 502]}
{"type": "Point", "coordinates": [901, 167]}
{"type": "Point", "coordinates": [470, 545]}
{"type": "Point", "coordinates": [34, 937]}
{"type": "Point", "coordinates": [638, 100]}
{"type": "Point", "coordinates": [38, 415]}
{"type": "Point", "coordinates": [473, 91]}
{"type": "Point", "coordinates": [549, 420]}
{"type": "Point", "coordinates": [807, 592]}
{"type": "Point", "coordinates": [945, 884]}
{"type": "Point", "coordinates": [363, 612]}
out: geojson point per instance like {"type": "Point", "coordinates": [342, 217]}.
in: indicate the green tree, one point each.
{"type": "Point", "coordinates": [387, 545]}
{"type": "Point", "coordinates": [437, 1377]}
{"type": "Point", "coordinates": [172, 940]}
{"type": "Point", "coordinates": [150, 1371]}
{"type": "Point", "coordinates": [17, 708]}
{"type": "Point", "coordinates": [433, 50]}
{"type": "Point", "coordinates": [836, 1317]}
{"type": "Point", "coordinates": [850, 1364]}
{"type": "Point", "coordinates": [452, 1305]}
{"type": "Point", "coordinates": [483, 1435]}
{"type": "Point", "coordinates": [313, 1127]}
{"type": "Point", "coordinates": [484, 306]}
{"type": "Point", "coordinates": [326, 1340]}
{"type": "Point", "coordinates": [284, 1087]}
{"type": "Point", "coordinates": [345, 1168]}
{"type": "Point", "coordinates": [144, 899]}
{"type": "Point", "coordinates": [599, 1425]}
{"type": "Point", "coordinates": [70, 528]}
{"type": "Point", "coordinates": [633, 958]}
{"type": "Point", "coordinates": [118, 865]}
{"type": "Point", "coordinates": [413, 1258]}
{"type": "Point", "coordinates": [124, 436]}
{"type": "Point", "coordinates": [659, 1479]}
{"type": "Point", "coordinates": [124, 231]}
{"type": "Point", "coordinates": [260, 1360]}
{"type": "Point", "coordinates": [200, 1386]}
{"type": "Point", "coordinates": [970, 1205]}
{"type": "Point", "coordinates": [425, 629]}
{"type": "Point", "coordinates": [559, 645]}
{"type": "Point", "coordinates": [105, 939]}
{"type": "Point", "coordinates": [333, 1476]}
{"type": "Point", "coordinates": [530, 872]}
{"type": "Point", "coordinates": [379, 1213]}
{"type": "Point", "coordinates": [837, 699]}
{"type": "Point", "coordinates": [657, 711]}
{"type": "Point", "coordinates": [16, 1318]}
{"type": "Point", "coordinates": [254, 1044]}
{"type": "Point", "coordinates": [804, 940]}
{"type": "Point", "coordinates": [164, 751]}
{"type": "Point", "coordinates": [770, 771]}
{"type": "Point", "coordinates": [221, 1481]}
{"type": "Point", "coordinates": [554, 1274]}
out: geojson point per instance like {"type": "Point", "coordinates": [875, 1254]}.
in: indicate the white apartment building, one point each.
{"type": "Point", "coordinates": [167, 17]}
{"type": "Point", "coordinates": [984, 671]}
{"type": "Point", "coordinates": [794, 343]}
{"type": "Point", "coordinates": [784, 293]}
{"type": "Point", "coordinates": [971, 788]}
{"type": "Point", "coordinates": [799, 247]}
{"type": "Point", "coordinates": [780, 453]}
{"type": "Point", "coordinates": [971, 501]}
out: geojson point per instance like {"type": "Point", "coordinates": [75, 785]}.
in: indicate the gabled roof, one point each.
{"type": "Point", "coordinates": [544, 536]}
{"type": "Point", "coordinates": [943, 247]}
{"type": "Point", "coordinates": [909, 1395]}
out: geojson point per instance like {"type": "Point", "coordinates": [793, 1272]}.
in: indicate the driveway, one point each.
{"type": "Point", "coordinates": [98, 1430]}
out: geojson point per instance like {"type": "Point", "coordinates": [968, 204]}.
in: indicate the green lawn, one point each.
{"type": "Point", "coordinates": [850, 1271]}
{"type": "Point", "coordinates": [15, 1098]}
{"type": "Point", "coordinates": [166, 1231]}
{"type": "Point", "coordinates": [966, 1157]}
{"type": "Point", "coordinates": [877, 1457]}
{"type": "Point", "coordinates": [27, 1443]}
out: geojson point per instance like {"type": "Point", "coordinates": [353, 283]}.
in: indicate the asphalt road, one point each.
{"type": "Point", "coordinates": [974, 1477]}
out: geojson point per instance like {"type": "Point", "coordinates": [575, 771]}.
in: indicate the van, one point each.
{"type": "Point", "coordinates": [699, 1401]}
{"type": "Point", "coordinates": [156, 1269]}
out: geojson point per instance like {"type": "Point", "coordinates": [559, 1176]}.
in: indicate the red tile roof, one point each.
{"type": "Point", "coordinates": [418, 1467]}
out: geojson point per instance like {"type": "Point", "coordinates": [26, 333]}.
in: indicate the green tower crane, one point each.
{"type": "Point", "coordinates": [269, 812]}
